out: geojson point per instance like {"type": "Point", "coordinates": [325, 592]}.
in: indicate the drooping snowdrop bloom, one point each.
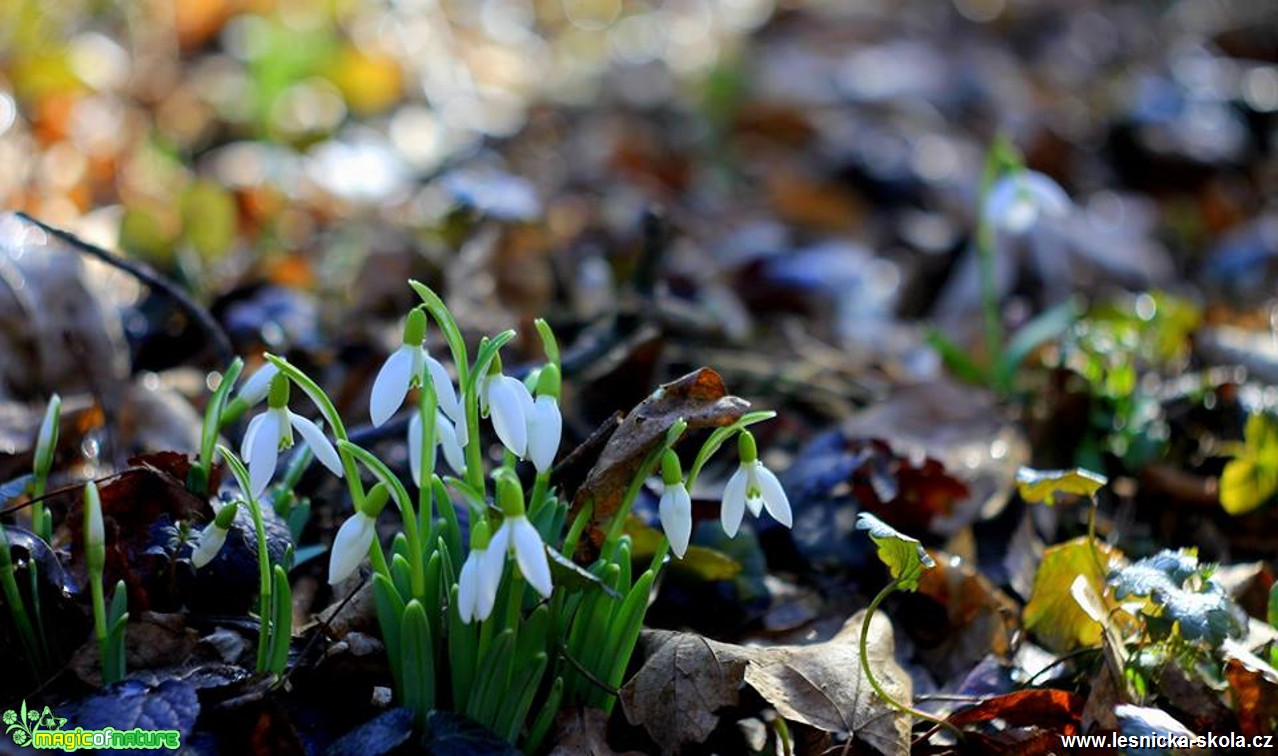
{"type": "Point", "coordinates": [406, 367]}
{"type": "Point", "coordinates": [675, 508]}
{"type": "Point", "coordinates": [451, 438]}
{"type": "Point", "coordinates": [1018, 198]}
{"type": "Point", "coordinates": [509, 404]}
{"type": "Point", "coordinates": [272, 431]}
{"type": "Point", "coordinates": [752, 486]}
{"type": "Point", "coordinates": [480, 577]}
{"type": "Point", "coordinates": [355, 537]}
{"type": "Point", "coordinates": [213, 536]}
{"type": "Point", "coordinates": [518, 536]}
{"type": "Point", "coordinates": [545, 423]}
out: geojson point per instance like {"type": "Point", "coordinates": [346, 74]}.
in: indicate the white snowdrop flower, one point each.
{"type": "Point", "coordinates": [509, 404]}
{"type": "Point", "coordinates": [407, 366]}
{"type": "Point", "coordinates": [545, 423]}
{"type": "Point", "coordinates": [446, 436]}
{"type": "Point", "coordinates": [254, 390]}
{"type": "Point", "coordinates": [480, 577]}
{"type": "Point", "coordinates": [518, 536]}
{"type": "Point", "coordinates": [755, 487]}
{"type": "Point", "coordinates": [1018, 198]}
{"type": "Point", "coordinates": [213, 536]}
{"type": "Point", "coordinates": [355, 537]}
{"type": "Point", "coordinates": [675, 508]}
{"type": "Point", "coordinates": [273, 430]}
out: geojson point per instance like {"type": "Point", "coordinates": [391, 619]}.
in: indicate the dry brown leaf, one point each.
{"type": "Point", "coordinates": [687, 679]}
{"type": "Point", "coordinates": [583, 732]}
{"type": "Point", "coordinates": [699, 398]}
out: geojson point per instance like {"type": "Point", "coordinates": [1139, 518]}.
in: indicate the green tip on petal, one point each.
{"type": "Point", "coordinates": [415, 327]}
{"type": "Point", "coordinates": [510, 494]}
{"type": "Point", "coordinates": [277, 397]}
{"type": "Point", "coordinates": [671, 471]}
{"type": "Point", "coordinates": [375, 500]}
{"type": "Point", "coordinates": [548, 381]}
{"type": "Point", "coordinates": [226, 516]}
{"type": "Point", "coordinates": [746, 447]}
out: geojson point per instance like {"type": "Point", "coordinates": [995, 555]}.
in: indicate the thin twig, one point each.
{"type": "Point", "coordinates": [218, 338]}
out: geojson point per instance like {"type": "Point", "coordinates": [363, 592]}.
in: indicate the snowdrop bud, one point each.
{"type": "Point", "coordinates": [94, 532]}
{"type": "Point", "coordinates": [213, 536]}
{"type": "Point", "coordinates": [47, 440]}
{"type": "Point", "coordinates": [351, 545]}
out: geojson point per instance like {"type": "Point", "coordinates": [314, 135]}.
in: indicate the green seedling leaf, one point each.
{"type": "Point", "coordinates": [1043, 486]}
{"type": "Point", "coordinates": [905, 556]}
{"type": "Point", "coordinates": [1251, 478]}
{"type": "Point", "coordinates": [417, 665]}
{"type": "Point", "coordinates": [1273, 606]}
{"type": "Point", "coordinates": [956, 359]}
{"type": "Point", "coordinates": [1044, 327]}
{"type": "Point", "coordinates": [1052, 613]}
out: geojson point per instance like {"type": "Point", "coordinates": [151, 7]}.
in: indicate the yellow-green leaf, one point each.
{"type": "Point", "coordinates": [1251, 478]}
{"type": "Point", "coordinates": [905, 556]}
{"type": "Point", "coordinates": [1053, 614]}
{"type": "Point", "coordinates": [1037, 486]}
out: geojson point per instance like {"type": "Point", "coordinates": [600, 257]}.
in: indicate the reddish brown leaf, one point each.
{"type": "Point", "coordinates": [1058, 710]}
{"type": "Point", "coordinates": [699, 398]}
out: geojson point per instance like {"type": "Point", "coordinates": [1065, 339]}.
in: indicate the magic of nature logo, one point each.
{"type": "Point", "coordinates": [36, 728]}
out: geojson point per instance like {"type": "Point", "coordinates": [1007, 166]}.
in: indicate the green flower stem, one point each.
{"type": "Point", "coordinates": [618, 525]}
{"type": "Point", "coordinates": [869, 673]}
{"type": "Point", "coordinates": [264, 605]}
{"type": "Point", "coordinates": [18, 609]}
{"type": "Point", "coordinates": [447, 325]}
{"type": "Point", "coordinates": [537, 499]}
{"type": "Point", "coordinates": [427, 407]}
{"type": "Point", "coordinates": [100, 622]}
{"type": "Point", "coordinates": [350, 470]}
{"type": "Point", "coordinates": [719, 437]}
{"type": "Point", "coordinates": [213, 423]}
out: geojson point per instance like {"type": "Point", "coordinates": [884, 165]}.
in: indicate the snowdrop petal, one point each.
{"type": "Point", "coordinates": [734, 500]}
{"type": "Point", "coordinates": [391, 385]}
{"type": "Point", "coordinates": [350, 546]}
{"type": "Point", "coordinates": [258, 385]}
{"type": "Point", "coordinates": [491, 567]}
{"type": "Point", "coordinates": [453, 452]}
{"type": "Point", "coordinates": [319, 443]}
{"type": "Point", "coordinates": [545, 429]}
{"type": "Point", "coordinates": [1017, 199]}
{"type": "Point", "coordinates": [468, 588]}
{"type": "Point", "coordinates": [445, 394]}
{"type": "Point", "coordinates": [675, 510]}
{"type": "Point", "coordinates": [507, 412]}
{"type": "Point", "coordinates": [530, 555]}
{"type": "Point", "coordinates": [210, 543]}
{"type": "Point", "coordinates": [263, 451]}
{"type": "Point", "coordinates": [774, 497]}
{"type": "Point", "coordinates": [415, 447]}
{"type": "Point", "coordinates": [246, 444]}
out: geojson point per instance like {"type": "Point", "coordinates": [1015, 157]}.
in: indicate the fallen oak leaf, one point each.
{"type": "Point", "coordinates": [699, 399]}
